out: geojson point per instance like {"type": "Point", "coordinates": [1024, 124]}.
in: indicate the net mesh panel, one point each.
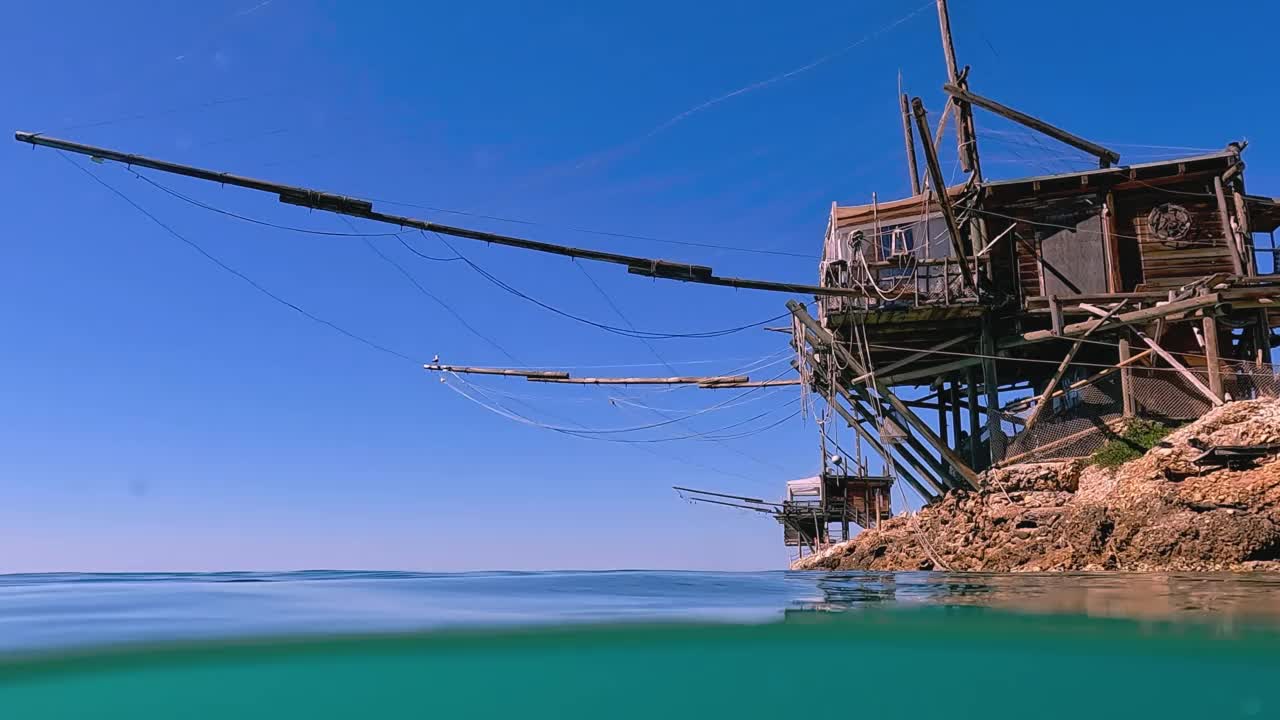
{"type": "Point", "coordinates": [1084, 423]}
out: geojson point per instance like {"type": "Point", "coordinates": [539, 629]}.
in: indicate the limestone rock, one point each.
{"type": "Point", "coordinates": [1159, 512]}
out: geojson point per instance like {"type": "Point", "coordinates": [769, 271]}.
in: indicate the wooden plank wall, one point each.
{"type": "Point", "coordinates": [1171, 263]}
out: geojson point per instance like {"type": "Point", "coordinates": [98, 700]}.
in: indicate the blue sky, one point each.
{"type": "Point", "coordinates": [160, 414]}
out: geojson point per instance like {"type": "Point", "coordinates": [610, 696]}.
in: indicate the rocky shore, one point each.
{"type": "Point", "coordinates": [1159, 512]}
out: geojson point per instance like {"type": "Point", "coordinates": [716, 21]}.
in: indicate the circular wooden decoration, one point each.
{"type": "Point", "coordinates": [1169, 223]}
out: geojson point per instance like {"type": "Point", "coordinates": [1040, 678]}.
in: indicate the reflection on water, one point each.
{"type": "Point", "coordinates": [42, 612]}
{"type": "Point", "coordinates": [1216, 597]}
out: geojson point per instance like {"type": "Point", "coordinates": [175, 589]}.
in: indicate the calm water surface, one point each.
{"type": "Point", "coordinates": [637, 644]}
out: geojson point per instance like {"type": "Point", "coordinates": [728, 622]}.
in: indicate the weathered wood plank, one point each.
{"type": "Point", "coordinates": [1104, 155]}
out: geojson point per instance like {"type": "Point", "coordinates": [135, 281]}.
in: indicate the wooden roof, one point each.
{"type": "Point", "coordinates": [847, 215]}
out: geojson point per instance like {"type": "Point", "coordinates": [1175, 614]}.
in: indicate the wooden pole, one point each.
{"type": "Point", "coordinates": [888, 369]}
{"type": "Point", "coordinates": [1085, 382]}
{"type": "Point", "coordinates": [1179, 367]}
{"type": "Point", "coordinates": [848, 359]}
{"type": "Point", "coordinates": [1115, 283]}
{"type": "Point", "coordinates": [527, 374]}
{"type": "Point", "coordinates": [964, 114]}
{"type": "Point", "coordinates": [1237, 263]}
{"type": "Point", "coordinates": [955, 414]}
{"type": "Point", "coordinates": [971, 382]}
{"type": "Point", "coordinates": [1246, 232]}
{"type": "Point", "coordinates": [940, 191]}
{"type": "Point", "coordinates": [1129, 318]}
{"type": "Point", "coordinates": [942, 417]}
{"type": "Point", "coordinates": [1105, 156]}
{"type": "Point", "coordinates": [931, 470]}
{"type": "Point", "coordinates": [992, 386]}
{"type": "Point", "coordinates": [1126, 380]}
{"type": "Point", "coordinates": [1066, 361]}
{"type": "Point", "coordinates": [909, 138]}
{"type": "Point", "coordinates": [879, 447]}
{"type": "Point", "coordinates": [1212, 361]}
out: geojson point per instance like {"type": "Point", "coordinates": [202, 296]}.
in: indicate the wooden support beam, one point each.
{"type": "Point", "coordinates": [1062, 367]}
{"type": "Point", "coordinates": [876, 445]}
{"type": "Point", "coordinates": [947, 111]}
{"type": "Point", "coordinates": [888, 369]}
{"type": "Point", "coordinates": [870, 410]}
{"type": "Point", "coordinates": [1110, 240]}
{"type": "Point", "coordinates": [726, 379]}
{"type": "Point", "coordinates": [1084, 382]}
{"type": "Point", "coordinates": [1106, 157]}
{"type": "Point", "coordinates": [1246, 232]}
{"type": "Point", "coordinates": [1237, 259]}
{"type": "Point", "coordinates": [965, 135]}
{"type": "Point", "coordinates": [940, 191]}
{"type": "Point", "coordinates": [865, 407]}
{"type": "Point", "coordinates": [962, 469]}
{"type": "Point", "coordinates": [723, 384]}
{"type": "Point", "coordinates": [909, 137]}
{"type": "Point", "coordinates": [1130, 318]}
{"type": "Point", "coordinates": [527, 374]}
{"type": "Point", "coordinates": [1014, 460]}
{"type": "Point", "coordinates": [991, 384]}
{"type": "Point", "coordinates": [971, 382]}
{"type": "Point", "coordinates": [1126, 380]}
{"type": "Point", "coordinates": [1178, 366]}
{"type": "Point", "coordinates": [955, 414]}
{"type": "Point", "coordinates": [1212, 362]}
{"type": "Point", "coordinates": [942, 419]}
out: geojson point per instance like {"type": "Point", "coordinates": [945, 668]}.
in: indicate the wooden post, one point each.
{"type": "Point", "coordinates": [848, 359]}
{"type": "Point", "coordinates": [1179, 367]}
{"type": "Point", "coordinates": [879, 447]}
{"type": "Point", "coordinates": [1237, 264]}
{"type": "Point", "coordinates": [992, 385]}
{"type": "Point", "coordinates": [940, 191]}
{"type": "Point", "coordinates": [1246, 233]}
{"type": "Point", "coordinates": [964, 113]}
{"type": "Point", "coordinates": [1126, 380]}
{"type": "Point", "coordinates": [1212, 361]}
{"type": "Point", "coordinates": [1115, 283]}
{"type": "Point", "coordinates": [955, 413]}
{"type": "Point", "coordinates": [971, 381]}
{"type": "Point", "coordinates": [942, 412]}
{"type": "Point", "coordinates": [909, 138]}
{"type": "Point", "coordinates": [1066, 361]}
{"type": "Point", "coordinates": [961, 94]}
{"type": "Point", "coordinates": [934, 469]}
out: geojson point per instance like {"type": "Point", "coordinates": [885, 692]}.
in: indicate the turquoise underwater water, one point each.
{"type": "Point", "coordinates": [624, 645]}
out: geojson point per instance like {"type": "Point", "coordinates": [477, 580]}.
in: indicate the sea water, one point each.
{"type": "Point", "coordinates": [637, 644]}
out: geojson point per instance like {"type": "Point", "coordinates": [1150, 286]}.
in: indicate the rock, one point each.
{"type": "Point", "coordinates": [1157, 513]}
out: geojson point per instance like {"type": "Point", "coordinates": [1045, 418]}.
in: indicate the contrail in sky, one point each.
{"type": "Point", "coordinates": [675, 119]}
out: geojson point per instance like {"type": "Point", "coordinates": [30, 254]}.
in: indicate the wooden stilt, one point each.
{"type": "Point", "coordinates": [1066, 362]}
{"type": "Point", "coordinates": [992, 386]}
{"type": "Point", "coordinates": [1212, 362]}
{"type": "Point", "coordinates": [922, 430]}
{"type": "Point", "coordinates": [940, 192]}
{"type": "Point", "coordinates": [1126, 380]}
{"type": "Point", "coordinates": [1179, 367]}
{"type": "Point", "coordinates": [965, 135]}
{"type": "Point", "coordinates": [909, 138]}
{"type": "Point", "coordinates": [971, 383]}
{"type": "Point", "coordinates": [1237, 259]}
{"type": "Point", "coordinates": [942, 415]}
{"type": "Point", "coordinates": [874, 442]}
{"type": "Point", "coordinates": [955, 413]}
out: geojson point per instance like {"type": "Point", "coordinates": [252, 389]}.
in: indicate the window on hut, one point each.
{"type": "Point", "coordinates": [897, 240]}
